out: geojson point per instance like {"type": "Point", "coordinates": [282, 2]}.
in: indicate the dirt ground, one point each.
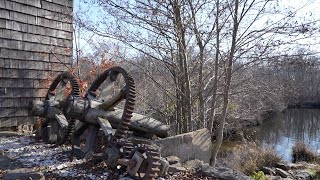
{"type": "Point", "coordinates": [23, 151]}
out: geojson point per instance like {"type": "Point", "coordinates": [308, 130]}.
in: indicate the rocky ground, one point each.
{"type": "Point", "coordinates": [292, 171]}
{"type": "Point", "coordinates": [21, 155]}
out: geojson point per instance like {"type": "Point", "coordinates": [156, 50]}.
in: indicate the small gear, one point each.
{"type": "Point", "coordinates": [150, 166]}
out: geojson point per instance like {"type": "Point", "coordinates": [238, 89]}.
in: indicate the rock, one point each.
{"type": "Point", "coordinates": [283, 166]}
{"type": "Point", "coordinates": [268, 170]}
{"type": "Point", "coordinates": [302, 174]}
{"type": "Point", "coordinates": [311, 166]}
{"type": "Point", "coordinates": [164, 167]}
{"type": "Point", "coordinates": [177, 164]}
{"type": "Point", "coordinates": [8, 163]}
{"type": "Point", "coordinates": [294, 166]}
{"type": "Point", "coordinates": [172, 159]}
{"type": "Point", "coordinates": [188, 146]}
{"type": "Point", "coordinates": [193, 164]}
{"type": "Point", "coordinates": [176, 168]}
{"type": "Point", "coordinates": [5, 162]}
{"type": "Point", "coordinates": [270, 177]}
{"type": "Point", "coordinates": [223, 173]}
{"type": "Point", "coordinates": [23, 174]}
{"type": "Point", "coordinates": [282, 173]}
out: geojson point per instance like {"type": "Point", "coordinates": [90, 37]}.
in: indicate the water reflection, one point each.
{"type": "Point", "coordinates": [284, 130]}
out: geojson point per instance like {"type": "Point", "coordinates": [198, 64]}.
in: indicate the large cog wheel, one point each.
{"type": "Point", "coordinates": [62, 87]}
{"type": "Point", "coordinates": [108, 91]}
{"type": "Point", "coordinates": [127, 92]}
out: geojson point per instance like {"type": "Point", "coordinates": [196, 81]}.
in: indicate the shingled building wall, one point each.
{"type": "Point", "coordinates": [35, 41]}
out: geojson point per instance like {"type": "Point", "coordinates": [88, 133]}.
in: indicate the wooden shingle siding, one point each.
{"type": "Point", "coordinates": [8, 34]}
{"type": "Point", "coordinates": [8, 44]}
{"type": "Point", "coordinates": [38, 16]}
{"type": "Point", "coordinates": [35, 42]}
{"type": "Point", "coordinates": [12, 112]}
{"type": "Point", "coordinates": [33, 55]}
{"type": "Point", "coordinates": [18, 83]}
{"type": "Point", "coordinates": [15, 102]}
{"type": "Point", "coordinates": [35, 29]}
{"type": "Point", "coordinates": [30, 65]}
{"type": "Point", "coordinates": [23, 92]}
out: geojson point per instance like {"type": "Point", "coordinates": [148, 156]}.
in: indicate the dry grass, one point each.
{"type": "Point", "coordinates": [249, 158]}
{"type": "Point", "coordinates": [301, 152]}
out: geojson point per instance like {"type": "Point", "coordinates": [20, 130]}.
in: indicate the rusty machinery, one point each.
{"type": "Point", "coordinates": [128, 134]}
{"type": "Point", "coordinates": [56, 128]}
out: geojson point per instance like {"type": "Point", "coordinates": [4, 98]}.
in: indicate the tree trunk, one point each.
{"type": "Point", "coordinates": [228, 78]}
{"type": "Point", "coordinates": [201, 44]}
{"type": "Point", "coordinates": [200, 92]}
{"type": "Point", "coordinates": [188, 93]}
{"type": "Point", "coordinates": [185, 84]}
{"type": "Point", "coordinates": [178, 104]}
{"type": "Point", "coordinates": [216, 71]}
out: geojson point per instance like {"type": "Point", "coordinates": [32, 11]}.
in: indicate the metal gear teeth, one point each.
{"type": "Point", "coordinates": [127, 147]}
{"type": "Point", "coordinates": [129, 96]}
{"type": "Point", "coordinates": [153, 157]}
{"type": "Point", "coordinates": [75, 92]}
{"type": "Point", "coordinates": [65, 75]}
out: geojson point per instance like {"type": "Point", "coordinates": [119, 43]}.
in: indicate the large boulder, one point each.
{"type": "Point", "coordinates": [188, 146]}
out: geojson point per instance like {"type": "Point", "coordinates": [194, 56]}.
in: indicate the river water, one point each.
{"type": "Point", "coordinates": [284, 130]}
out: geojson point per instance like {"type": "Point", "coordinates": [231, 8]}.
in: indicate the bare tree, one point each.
{"type": "Point", "coordinates": [198, 57]}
